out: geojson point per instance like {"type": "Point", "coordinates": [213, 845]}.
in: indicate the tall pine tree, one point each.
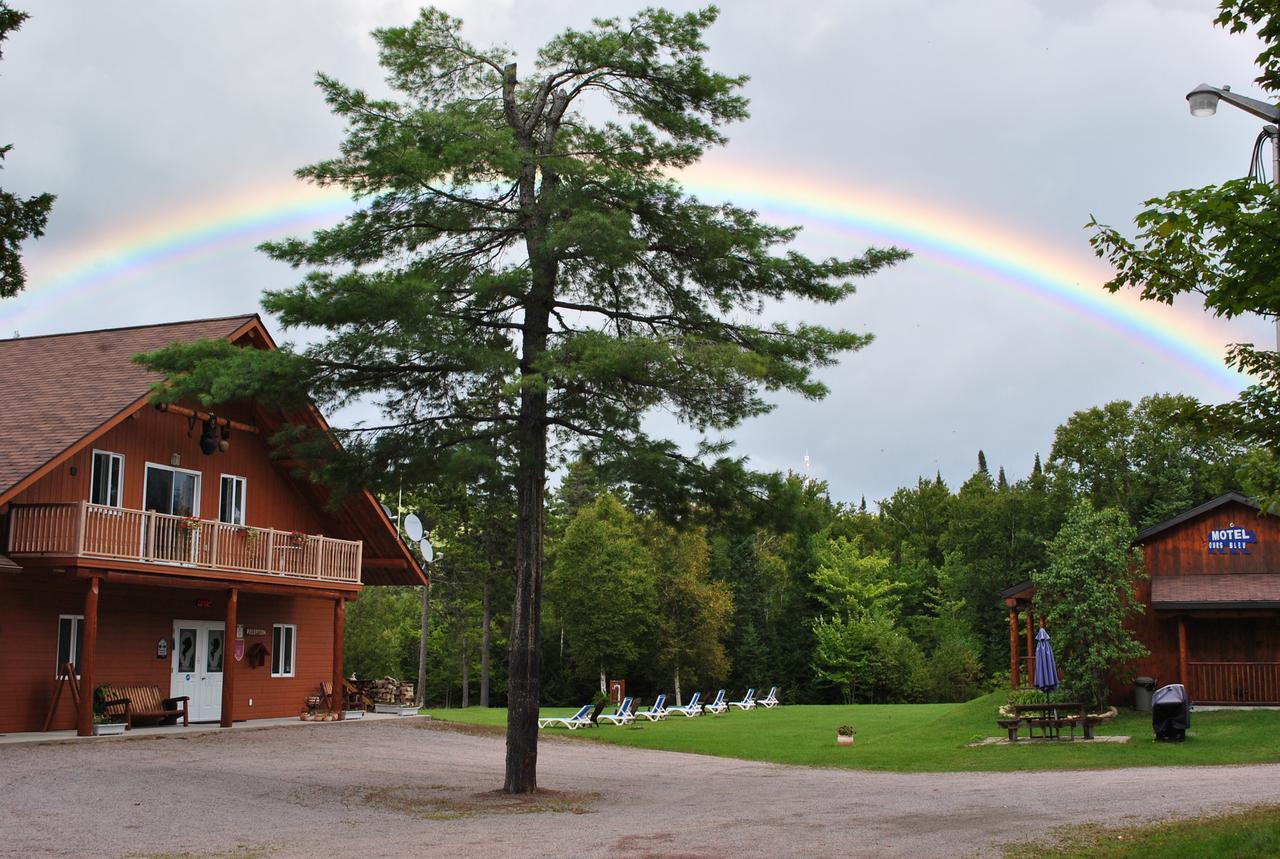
{"type": "Point", "coordinates": [511, 239]}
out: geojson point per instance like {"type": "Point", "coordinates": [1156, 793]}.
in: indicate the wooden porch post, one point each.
{"type": "Point", "coordinates": [88, 659]}
{"type": "Point", "coordinates": [229, 659]}
{"type": "Point", "coordinates": [1013, 647]}
{"type": "Point", "coordinates": [1182, 651]}
{"type": "Point", "coordinates": [339, 625]}
{"type": "Point", "coordinates": [1031, 647]}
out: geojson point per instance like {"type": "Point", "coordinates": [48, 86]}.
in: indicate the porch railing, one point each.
{"type": "Point", "coordinates": [84, 530]}
{"type": "Point", "coordinates": [1234, 682]}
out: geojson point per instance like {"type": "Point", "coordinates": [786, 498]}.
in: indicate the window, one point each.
{"type": "Point", "coordinates": [172, 490]}
{"type": "Point", "coordinates": [70, 642]}
{"type": "Point", "coordinates": [231, 500]}
{"type": "Point", "coordinates": [283, 648]}
{"type": "Point", "coordinates": [106, 482]}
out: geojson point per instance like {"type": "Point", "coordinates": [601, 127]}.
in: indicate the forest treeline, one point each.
{"type": "Point", "coordinates": [896, 601]}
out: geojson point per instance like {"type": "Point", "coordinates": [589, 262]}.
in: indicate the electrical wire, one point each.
{"type": "Point", "coordinates": [1257, 162]}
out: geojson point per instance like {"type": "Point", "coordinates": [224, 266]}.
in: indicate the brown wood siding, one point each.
{"type": "Point", "coordinates": [132, 619]}
{"type": "Point", "coordinates": [272, 499]}
{"type": "Point", "coordinates": [1183, 549]}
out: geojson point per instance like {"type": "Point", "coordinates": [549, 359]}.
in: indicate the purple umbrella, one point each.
{"type": "Point", "coordinates": [1046, 671]}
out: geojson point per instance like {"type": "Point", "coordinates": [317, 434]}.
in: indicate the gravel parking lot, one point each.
{"type": "Point", "coordinates": [408, 787]}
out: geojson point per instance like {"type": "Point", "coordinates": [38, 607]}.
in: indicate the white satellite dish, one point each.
{"type": "Point", "coordinates": [413, 526]}
{"type": "Point", "coordinates": [387, 510]}
{"type": "Point", "coordinates": [428, 551]}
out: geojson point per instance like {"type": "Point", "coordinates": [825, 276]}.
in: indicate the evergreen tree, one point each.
{"type": "Point", "coordinates": [982, 462]}
{"type": "Point", "coordinates": [20, 219]}
{"type": "Point", "coordinates": [514, 241]}
{"type": "Point", "coordinates": [1002, 483]}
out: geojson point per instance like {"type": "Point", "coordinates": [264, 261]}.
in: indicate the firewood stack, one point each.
{"type": "Point", "coordinates": [387, 690]}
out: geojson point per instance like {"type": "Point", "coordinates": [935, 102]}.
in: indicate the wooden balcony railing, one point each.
{"type": "Point", "coordinates": [1234, 682]}
{"type": "Point", "coordinates": [84, 530]}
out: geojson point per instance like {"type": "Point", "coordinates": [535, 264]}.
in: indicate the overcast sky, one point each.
{"type": "Point", "coordinates": [1012, 121]}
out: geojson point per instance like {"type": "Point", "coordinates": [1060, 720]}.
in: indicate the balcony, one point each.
{"type": "Point", "coordinates": [79, 529]}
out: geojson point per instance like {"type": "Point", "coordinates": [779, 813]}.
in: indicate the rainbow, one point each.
{"type": "Point", "coordinates": [1017, 266]}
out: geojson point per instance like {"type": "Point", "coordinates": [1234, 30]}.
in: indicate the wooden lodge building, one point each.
{"type": "Point", "coordinates": [1212, 598]}
{"type": "Point", "coordinates": [128, 552]}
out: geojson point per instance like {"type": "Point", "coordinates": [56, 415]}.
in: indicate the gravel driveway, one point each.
{"type": "Point", "coordinates": [406, 787]}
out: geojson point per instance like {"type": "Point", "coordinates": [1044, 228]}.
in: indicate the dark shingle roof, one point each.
{"type": "Point", "coordinates": [59, 388]}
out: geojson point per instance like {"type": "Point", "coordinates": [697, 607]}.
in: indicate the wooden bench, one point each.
{"type": "Point", "coordinates": [144, 702]}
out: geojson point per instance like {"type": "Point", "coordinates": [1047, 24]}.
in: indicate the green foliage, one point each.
{"type": "Point", "coordinates": [693, 612]}
{"type": "Point", "coordinates": [382, 633]}
{"type": "Point", "coordinates": [601, 586]}
{"type": "Point", "coordinates": [1084, 595]}
{"type": "Point", "coordinates": [20, 219]}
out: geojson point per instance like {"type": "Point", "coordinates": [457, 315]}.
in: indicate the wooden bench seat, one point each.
{"type": "Point", "coordinates": [144, 702]}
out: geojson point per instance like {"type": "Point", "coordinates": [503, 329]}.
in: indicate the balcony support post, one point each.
{"type": "Point", "coordinates": [88, 658]}
{"type": "Point", "coordinates": [229, 659]}
{"type": "Point", "coordinates": [339, 627]}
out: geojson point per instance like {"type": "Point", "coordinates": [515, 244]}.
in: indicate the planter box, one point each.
{"type": "Point", "coordinates": [348, 715]}
{"type": "Point", "coordinates": [396, 709]}
{"type": "Point", "coordinates": [108, 729]}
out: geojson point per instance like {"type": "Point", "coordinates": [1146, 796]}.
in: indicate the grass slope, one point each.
{"type": "Point", "coordinates": [922, 737]}
{"type": "Point", "coordinates": [1243, 835]}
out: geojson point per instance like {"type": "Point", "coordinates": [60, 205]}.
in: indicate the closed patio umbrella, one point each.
{"type": "Point", "coordinates": [1046, 679]}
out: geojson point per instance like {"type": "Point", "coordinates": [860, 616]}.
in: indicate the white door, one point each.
{"type": "Point", "coordinates": [199, 650]}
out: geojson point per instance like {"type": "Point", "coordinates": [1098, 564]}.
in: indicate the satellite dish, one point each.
{"type": "Point", "coordinates": [428, 551]}
{"type": "Point", "coordinates": [413, 526]}
{"type": "Point", "coordinates": [387, 510]}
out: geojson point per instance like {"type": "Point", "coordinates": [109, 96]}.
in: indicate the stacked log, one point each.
{"type": "Point", "coordinates": [387, 690]}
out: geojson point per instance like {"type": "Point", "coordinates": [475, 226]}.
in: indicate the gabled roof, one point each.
{"type": "Point", "coordinates": [59, 392]}
{"type": "Point", "coordinates": [58, 389]}
{"type": "Point", "coordinates": [1213, 504]}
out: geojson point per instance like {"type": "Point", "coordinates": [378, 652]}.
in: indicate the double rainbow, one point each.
{"type": "Point", "coordinates": [238, 221]}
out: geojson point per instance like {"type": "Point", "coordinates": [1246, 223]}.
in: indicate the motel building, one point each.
{"type": "Point", "coordinates": [1212, 607]}
{"type": "Point", "coordinates": [166, 547]}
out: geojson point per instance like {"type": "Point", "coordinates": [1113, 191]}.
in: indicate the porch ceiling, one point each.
{"type": "Point", "coordinates": [1215, 592]}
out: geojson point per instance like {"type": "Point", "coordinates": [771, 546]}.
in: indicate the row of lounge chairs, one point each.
{"type": "Point", "coordinates": [627, 713]}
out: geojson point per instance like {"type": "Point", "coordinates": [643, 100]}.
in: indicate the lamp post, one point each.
{"type": "Point", "coordinates": [1203, 101]}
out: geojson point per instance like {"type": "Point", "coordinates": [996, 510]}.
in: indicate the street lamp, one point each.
{"type": "Point", "coordinates": [1203, 101]}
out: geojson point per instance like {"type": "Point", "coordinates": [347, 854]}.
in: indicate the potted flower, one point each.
{"type": "Point", "coordinates": [249, 535]}
{"type": "Point", "coordinates": [844, 735]}
{"type": "Point", "coordinates": [104, 723]}
{"type": "Point", "coordinates": [299, 538]}
{"type": "Point", "coordinates": [189, 524]}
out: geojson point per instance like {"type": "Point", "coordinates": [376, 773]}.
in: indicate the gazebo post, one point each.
{"type": "Point", "coordinates": [1182, 650]}
{"type": "Point", "coordinates": [1031, 646]}
{"type": "Point", "coordinates": [1013, 646]}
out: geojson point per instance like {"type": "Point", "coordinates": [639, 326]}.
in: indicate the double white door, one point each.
{"type": "Point", "coordinates": [199, 653]}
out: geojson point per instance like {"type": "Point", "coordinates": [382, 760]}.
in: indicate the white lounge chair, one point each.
{"type": "Point", "coordinates": [658, 711]}
{"type": "Point", "coordinates": [623, 716]}
{"type": "Point", "coordinates": [717, 706]}
{"type": "Point", "coordinates": [580, 719]}
{"type": "Point", "coordinates": [771, 700]}
{"type": "Point", "coordinates": [693, 708]}
{"type": "Point", "coordinates": [748, 701]}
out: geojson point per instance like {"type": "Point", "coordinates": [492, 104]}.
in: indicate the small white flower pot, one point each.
{"type": "Point", "coordinates": [842, 740]}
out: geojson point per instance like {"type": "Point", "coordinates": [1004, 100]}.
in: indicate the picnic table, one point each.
{"type": "Point", "coordinates": [1049, 720]}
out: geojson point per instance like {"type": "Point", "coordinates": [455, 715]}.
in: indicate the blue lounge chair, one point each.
{"type": "Point", "coordinates": [717, 706]}
{"type": "Point", "coordinates": [771, 700]}
{"type": "Point", "coordinates": [580, 719]}
{"type": "Point", "coordinates": [748, 701]}
{"type": "Point", "coordinates": [623, 716]}
{"type": "Point", "coordinates": [693, 708]}
{"type": "Point", "coordinates": [658, 711]}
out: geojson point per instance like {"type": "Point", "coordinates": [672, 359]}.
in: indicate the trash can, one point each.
{"type": "Point", "coordinates": [1142, 689]}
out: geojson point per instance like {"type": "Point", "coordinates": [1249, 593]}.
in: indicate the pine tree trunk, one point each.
{"type": "Point", "coordinates": [604, 684]}
{"type": "Point", "coordinates": [422, 645]}
{"type": "Point", "coordinates": [466, 675]}
{"type": "Point", "coordinates": [485, 640]}
{"type": "Point", "coordinates": [679, 703]}
{"type": "Point", "coordinates": [531, 479]}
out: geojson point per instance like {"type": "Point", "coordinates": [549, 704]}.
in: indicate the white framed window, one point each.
{"type": "Point", "coordinates": [284, 647]}
{"type": "Point", "coordinates": [106, 479]}
{"type": "Point", "coordinates": [70, 642]}
{"type": "Point", "coordinates": [231, 500]}
{"type": "Point", "coordinates": [176, 491]}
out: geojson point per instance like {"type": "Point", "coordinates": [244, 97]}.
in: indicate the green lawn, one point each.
{"type": "Point", "coordinates": [922, 737]}
{"type": "Point", "coordinates": [1246, 834]}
